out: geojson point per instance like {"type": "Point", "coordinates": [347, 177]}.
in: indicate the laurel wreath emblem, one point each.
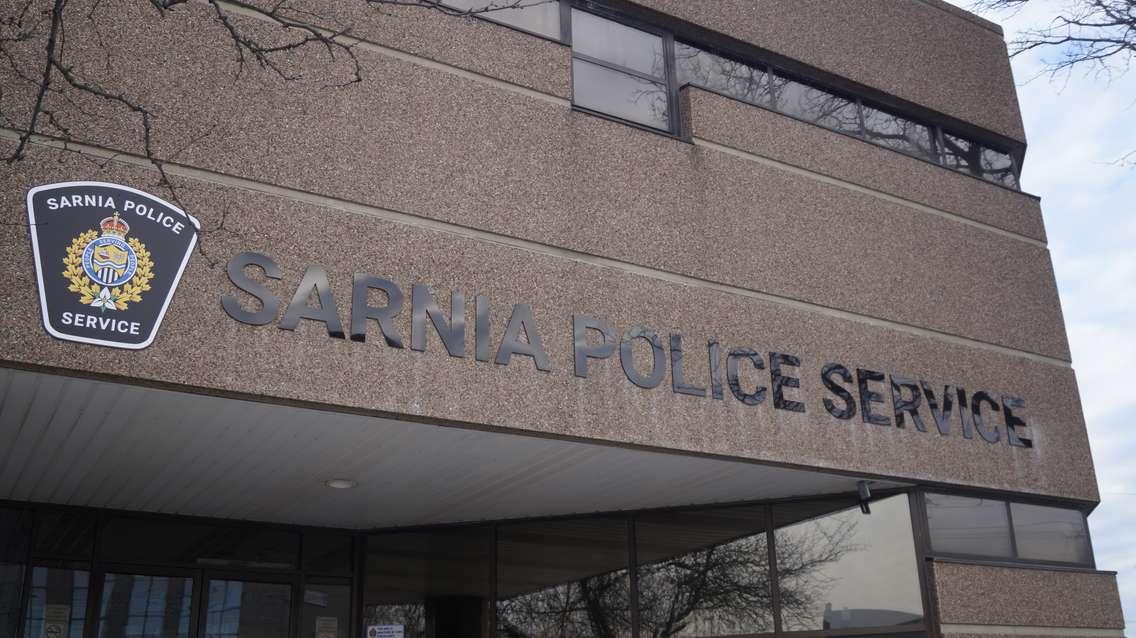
{"type": "Point", "coordinates": [118, 297]}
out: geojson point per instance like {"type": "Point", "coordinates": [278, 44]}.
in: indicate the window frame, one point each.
{"type": "Point", "coordinates": [1016, 560]}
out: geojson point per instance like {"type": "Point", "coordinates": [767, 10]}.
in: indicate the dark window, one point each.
{"type": "Point", "coordinates": [816, 105]}
{"type": "Point", "coordinates": [843, 569]}
{"type": "Point", "coordinates": [14, 528]}
{"type": "Point", "coordinates": [541, 17]}
{"type": "Point", "coordinates": [326, 611]}
{"type": "Point", "coordinates": [899, 133]}
{"type": "Point", "coordinates": [619, 71]}
{"type": "Point", "coordinates": [145, 606]}
{"type": "Point", "coordinates": [1050, 533]}
{"type": "Point", "coordinates": [715, 73]}
{"type": "Point", "coordinates": [327, 552]}
{"type": "Point", "coordinates": [438, 578]}
{"type": "Point", "coordinates": [564, 578]}
{"type": "Point", "coordinates": [237, 609]}
{"type": "Point", "coordinates": [964, 155]}
{"type": "Point", "coordinates": [960, 154]}
{"type": "Point", "coordinates": [704, 573]}
{"type": "Point", "coordinates": [970, 526]}
{"type": "Point", "coordinates": [58, 603]}
{"type": "Point", "coordinates": [198, 543]}
{"type": "Point", "coordinates": [65, 533]}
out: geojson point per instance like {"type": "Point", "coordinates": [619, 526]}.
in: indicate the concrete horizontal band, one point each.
{"type": "Point", "coordinates": [536, 247]}
{"type": "Point", "coordinates": [1017, 630]}
{"type": "Point", "coordinates": [380, 49]}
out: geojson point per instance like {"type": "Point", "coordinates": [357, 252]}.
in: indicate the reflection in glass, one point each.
{"type": "Point", "coordinates": [960, 154]}
{"type": "Point", "coordinates": [247, 610]}
{"type": "Point", "coordinates": [145, 606]}
{"type": "Point", "coordinates": [434, 578]}
{"type": "Point", "coordinates": [815, 105]}
{"type": "Point", "coordinates": [14, 527]}
{"type": "Point", "coordinates": [997, 167]}
{"type": "Point", "coordinates": [619, 94]}
{"type": "Point", "coordinates": [65, 533]}
{"type": "Point", "coordinates": [541, 17]}
{"type": "Point", "coordinates": [899, 133]}
{"type": "Point", "coordinates": [703, 573]}
{"type": "Point", "coordinates": [972, 526]}
{"type": "Point", "coordinates": [715, 73]}
{"type": "Point", "coordinates": [618, 44]}
{"type": "Point", "coordinates": [844, 569]}
{"type": "Point", "coordinates": [563, 579]}
{"type": "Point", "coordinates": [1050, 533]}
{"type": "Point", "coordinates": [58, 603]}
{"type": "Point", "coordinates": [326, 611]}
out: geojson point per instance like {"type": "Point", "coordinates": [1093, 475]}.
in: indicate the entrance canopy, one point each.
{"type": "Point", "coordinates": [92, 443]}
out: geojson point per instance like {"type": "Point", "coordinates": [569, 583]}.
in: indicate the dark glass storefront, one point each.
{"type": "Point", "coordinates": [806, 567]}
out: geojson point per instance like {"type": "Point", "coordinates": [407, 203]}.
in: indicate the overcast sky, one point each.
{"type": "Point", "coordinates": [1077, 127]}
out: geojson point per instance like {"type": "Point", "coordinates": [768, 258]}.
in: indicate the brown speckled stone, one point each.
{"type": "Point", "coordinates": [910, 49]}
{"type": "Point", "coordinates": [987, 595]}
{"type": "Point", "coordinates": [428, 143]}
{"type": "Point", "coordinates": [769, 134]}
{"type": "Point", "coordinates": [200, 348]}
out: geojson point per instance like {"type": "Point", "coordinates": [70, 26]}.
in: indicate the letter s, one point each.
{"type": "Point", "coordinates": [269, 304]}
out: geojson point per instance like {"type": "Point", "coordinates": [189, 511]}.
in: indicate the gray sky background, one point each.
{"type": "Point", "coordinates": [1077, 127]}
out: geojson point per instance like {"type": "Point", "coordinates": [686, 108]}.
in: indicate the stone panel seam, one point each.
{"type": "Point", "coordinates": [451, 228]}
{"type": "Point", "coordinates": [828, 179]}
{"type": "Point", "coordinates": [374, 47]}
{"type": "Point", "coordinates": [1022, 630]}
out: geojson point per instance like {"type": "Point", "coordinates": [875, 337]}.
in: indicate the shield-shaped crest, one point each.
{"type": "Point", "coordinates": [108, 259]}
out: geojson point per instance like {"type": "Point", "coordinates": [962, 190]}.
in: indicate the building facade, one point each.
{"type": "Point", "coordinates": [577, 318]}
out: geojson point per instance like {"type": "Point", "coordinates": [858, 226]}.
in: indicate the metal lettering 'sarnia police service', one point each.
{"type": "Point", "coordinates": [108, 259]}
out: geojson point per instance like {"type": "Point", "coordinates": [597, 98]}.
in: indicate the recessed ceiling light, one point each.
{"type": "Point", "coordinates": [341, 484]}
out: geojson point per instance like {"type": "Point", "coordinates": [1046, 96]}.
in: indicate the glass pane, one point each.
{"type": "Point", "coordinates": [247, 610]}
{"type": "Point", "coordinates": [326, 611]}
{"type": "Point", "coordinates": [815, 105]}
{"type": "Point", "coordinates": [438, 578]}
{"type": "Point", "coordinates": [58, 603]}
{"type": "Point", "coordinates": [196, 543]}
{"type": "Point", "coordinates": [1050, 533]}
{"type": "Point", "coordinates": [619, 94]}
{"type": "Point", "coordinates": [327, 552]}
{"type": "Point", "coordinates": [959, 154]}
{"type": "Point", "coordinates": [538, 16]}
{"type": "Point", "coordinates": [612, 42]}
{"type": "Point", "coordinates": [704, 573]}
{"type": "Point", "coordinates": [997, 167]}
{"type": "Point", "coordinates": [563, 579]}
{"type": "Point", "coordinates": [716, 73]}
{"type": "Point", "coordinates": [145, 606]}
{"type": "Point", "coordinates": [964, 525]}
{"type": "Point", "coordinates": [845, 569]}
{"type": "Point", "coordinates": [901, 134]}
{"type": "Point", "coordinates": [65, 533]}
{"type": "Point", "coordinates": [14, 527]}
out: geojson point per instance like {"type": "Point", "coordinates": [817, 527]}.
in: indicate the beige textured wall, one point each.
{"type": "Point", "coordinates": [431, 170]}
{"type": "Point", "coordinates": [987, 595]}
{"type": "Point", "coordinates": [913, 49]}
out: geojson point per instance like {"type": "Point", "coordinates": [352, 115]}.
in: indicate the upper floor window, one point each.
{"type": "Point", "coordinates": [541, 17]}
{"type": "Point", "coordinates": [619, 71]}
{"type": "Point", "coordinates": [996, 528]}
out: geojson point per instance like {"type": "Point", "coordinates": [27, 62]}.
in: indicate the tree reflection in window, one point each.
{"type": "Point", "coordinates": [704, 573]}
{"type": "Point", "coordinates": [715, 73]}
{"type": "Point", "coordinates": [816, 105]}
{"type": "Point", "coordinates": [899, 133]}
{"type": "Point", "coordinates": [966, 156]}
{"type": "Point", "coordinates": [564, 579]}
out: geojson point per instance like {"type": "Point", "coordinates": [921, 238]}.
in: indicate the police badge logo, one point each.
{"type": "Point", "coordinates": [108, 259]}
